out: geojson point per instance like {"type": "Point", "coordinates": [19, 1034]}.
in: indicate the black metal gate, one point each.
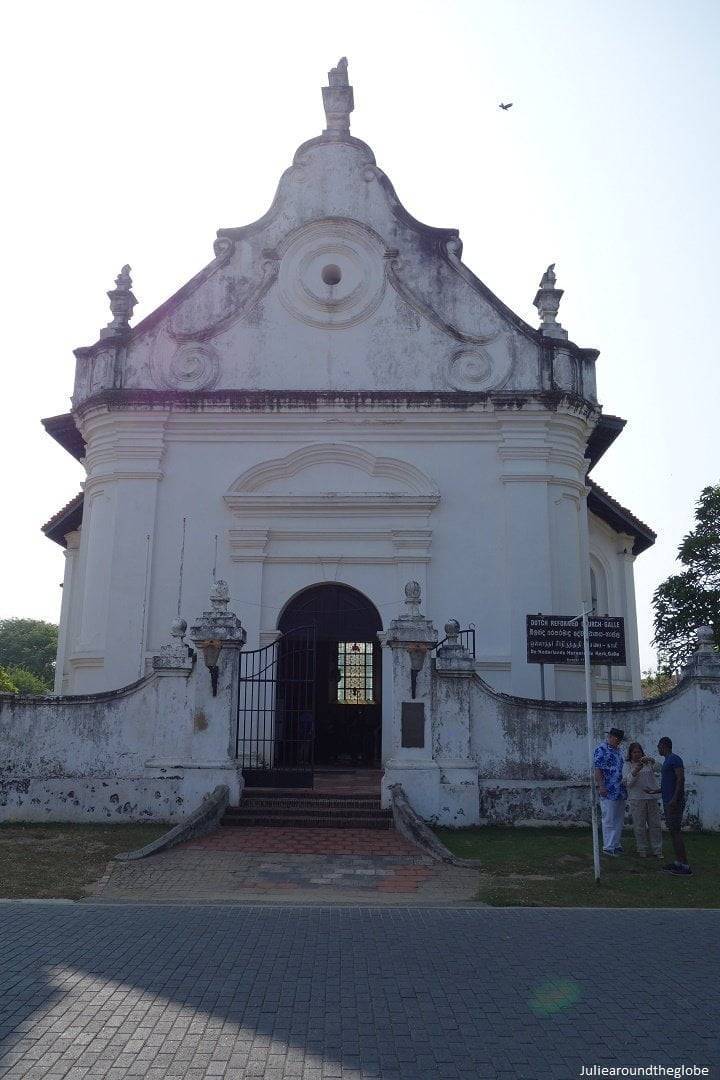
{"type": "Point", "coordinates": [276, 711]}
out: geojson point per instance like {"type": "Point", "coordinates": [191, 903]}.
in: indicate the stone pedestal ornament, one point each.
{"type": "Point", "coordinates": [174, 657]}
{"type": "Point", "coordinates": [547, 301]}
{"type": "Point", "coordinates": [122, 303]}
{"type": "Point", "coordinates": [705, 661]}
{"type": "Point", "coordinates": [338, 100]}
{"type": "Point", "coordinates": [216, 629]}
{"type": "Point", "coordinates": [451, 654]}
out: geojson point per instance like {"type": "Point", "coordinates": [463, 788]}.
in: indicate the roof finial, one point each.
{"type": "Point", "coordinates": [547, 301]}
{"type": "Point", "coordinates": [338, 99]}
{"type": "Point", "coordinates": [122, 303]}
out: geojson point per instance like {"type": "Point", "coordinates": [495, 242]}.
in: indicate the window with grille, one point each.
{"type": "Point", "coordinates": [355, 664]}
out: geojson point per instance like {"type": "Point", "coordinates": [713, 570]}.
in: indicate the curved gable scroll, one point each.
{"type": "Point", "coordinates": [336, 477]}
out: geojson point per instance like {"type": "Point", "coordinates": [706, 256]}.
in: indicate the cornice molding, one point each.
{"type": "Point", "coordinates": [101, 478]}
{"type": "Point", "coordinates": [576, 487]}
{"type": "Point", "coordinates": [331, 504]}
{"type": "Point", "coordinates": [402, 545]}
{"type": "Point", "coordinates": [255, 401]}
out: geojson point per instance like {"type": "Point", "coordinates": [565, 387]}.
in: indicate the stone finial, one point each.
{"type": "Point", "coordinates": [547, 301]}
{"type": "Point", "coordinates": [452, 656]}
{"type": "Point", "coordinates": [122, 303]}
{"type": "Point", "coordinates": [411, 633]}
{"type": "Point", "coordinates": [219, 596]}
{"type": "Point", "coordinates": [218, 624]}
{"type": "Point", "coordinates": [174, 657]}
{"type": "Point", "coordinates": [413, 593]}
{"type": "Point", "coordinates": [705, 661]}
{"type": "Point", "coordinates": [338, 100]}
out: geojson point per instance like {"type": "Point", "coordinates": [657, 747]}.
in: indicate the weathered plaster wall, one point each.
{"type": "Point", "coordinates": [154, 749]}
{"type": "Point", "coordinates": [533, 759]}
{"type": "Point", "coordinates": [612, 560]}
{"type": "Point", "coordinates": [151, 750]}
{"type": "Point", "coordinates": [370, 498]}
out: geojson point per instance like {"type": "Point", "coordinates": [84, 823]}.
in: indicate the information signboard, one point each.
{"type": "Point", "coordinates": [558, 639]}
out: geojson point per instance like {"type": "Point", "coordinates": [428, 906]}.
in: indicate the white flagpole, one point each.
{"type": "Point", "coordinates": [588, 699]}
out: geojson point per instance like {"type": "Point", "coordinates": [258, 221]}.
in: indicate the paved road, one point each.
{"type": "Point", "coordinates": [193, 992]}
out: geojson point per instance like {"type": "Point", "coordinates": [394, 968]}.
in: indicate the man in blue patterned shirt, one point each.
{"type": "Point", "coordinates": [608, 767]}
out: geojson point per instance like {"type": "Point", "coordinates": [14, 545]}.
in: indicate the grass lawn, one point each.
{"type": "Point", "coordinates": [553, 868]}
{"type": "Point", "coordinates": [63, 861]}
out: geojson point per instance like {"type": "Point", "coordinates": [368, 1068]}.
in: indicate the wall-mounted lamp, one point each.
{"type": "Point", "coordinates": [211, 653]}
{"type": "Point", "coordinates": [417, 659]}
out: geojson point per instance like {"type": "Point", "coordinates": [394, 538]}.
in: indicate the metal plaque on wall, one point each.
{"type": "Point", "coordinates": [412, 720]}
{"type": "Point", "coordinates": [558, 639]}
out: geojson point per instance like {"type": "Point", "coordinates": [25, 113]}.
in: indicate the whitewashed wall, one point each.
{"type": "Point", "coordinates": [401, 422]}
{"type": "Point", "coordinates": [151, 751]}
{"type": "Point", "coordinates": [485, 508]}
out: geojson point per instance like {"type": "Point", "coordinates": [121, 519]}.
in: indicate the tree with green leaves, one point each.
{"type": "Point", "coordinates": [29, 644]}
{"type": "Point", "coordinates": [7, 686]}
{"type": "Point", "coordinates": [691, 598]}
{"type": "Point", "coordinates": [26, 682]}
{"type": "Point", "coordinates": [656, 683]}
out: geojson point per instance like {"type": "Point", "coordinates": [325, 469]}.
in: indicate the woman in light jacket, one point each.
{"type": "Point", "coordinates": [641, 782]}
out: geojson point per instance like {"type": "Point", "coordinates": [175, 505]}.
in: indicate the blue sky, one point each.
{"type": "Point", "coordinates": [135, 133]}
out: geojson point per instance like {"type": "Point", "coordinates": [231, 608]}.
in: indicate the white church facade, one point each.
{"type": "Point", "coordinates": [336, 400]}
{"type": "Point", "coordinates": [339, 474]}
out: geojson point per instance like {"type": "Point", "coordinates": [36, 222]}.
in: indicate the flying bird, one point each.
{"type": "Point", "coordinates": [508, 106]}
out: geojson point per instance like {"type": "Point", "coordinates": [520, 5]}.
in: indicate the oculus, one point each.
{"type": "Point", "coordinates": [332, 274]}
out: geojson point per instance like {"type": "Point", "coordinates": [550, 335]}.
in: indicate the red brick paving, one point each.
{"type": "Point", "coordinates": [255, 840]}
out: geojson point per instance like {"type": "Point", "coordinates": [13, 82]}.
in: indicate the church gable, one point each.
{"type": "Point", "coordinates": [336, 287]}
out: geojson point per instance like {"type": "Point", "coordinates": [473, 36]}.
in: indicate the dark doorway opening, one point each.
{"type": "Point", "coordinates": [348, 675]}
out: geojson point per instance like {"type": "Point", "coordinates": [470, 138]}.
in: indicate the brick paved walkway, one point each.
{"type": "Point", "coordinates": [244, 864]}
{"type": "Point", "coordinates": [295, 993]}
{"type": "Point", "coordinates": [197, 872]}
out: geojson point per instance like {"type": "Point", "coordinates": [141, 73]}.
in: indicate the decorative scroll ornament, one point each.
{"type": "Point", "coordinates": [193, 367]}
{"type": "Point", "coordinates": [475, 369]}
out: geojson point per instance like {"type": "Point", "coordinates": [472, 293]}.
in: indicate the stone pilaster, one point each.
{"type": "Point", "coordinates": [410, 638]}
{"type": "Point", "coordinates": [207, 751]}
{"type": "Point", "coordinates": [454, 670]}
{"type": "Point", "coordinates": [72, 546]}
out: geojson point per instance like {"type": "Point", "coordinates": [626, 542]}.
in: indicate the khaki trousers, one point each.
{"type": "Point", "coordinates": [646, 825]}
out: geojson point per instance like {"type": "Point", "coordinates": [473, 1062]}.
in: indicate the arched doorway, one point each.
{"type": "Point", "coordinates": [348, 706]}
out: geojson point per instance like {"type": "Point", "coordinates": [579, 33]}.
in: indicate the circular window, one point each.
{"type": "Point", "coordinates": [331, 274]}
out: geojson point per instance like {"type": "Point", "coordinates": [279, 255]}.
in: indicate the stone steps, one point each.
{"type": "Point", "coordinates": [289, 809]}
